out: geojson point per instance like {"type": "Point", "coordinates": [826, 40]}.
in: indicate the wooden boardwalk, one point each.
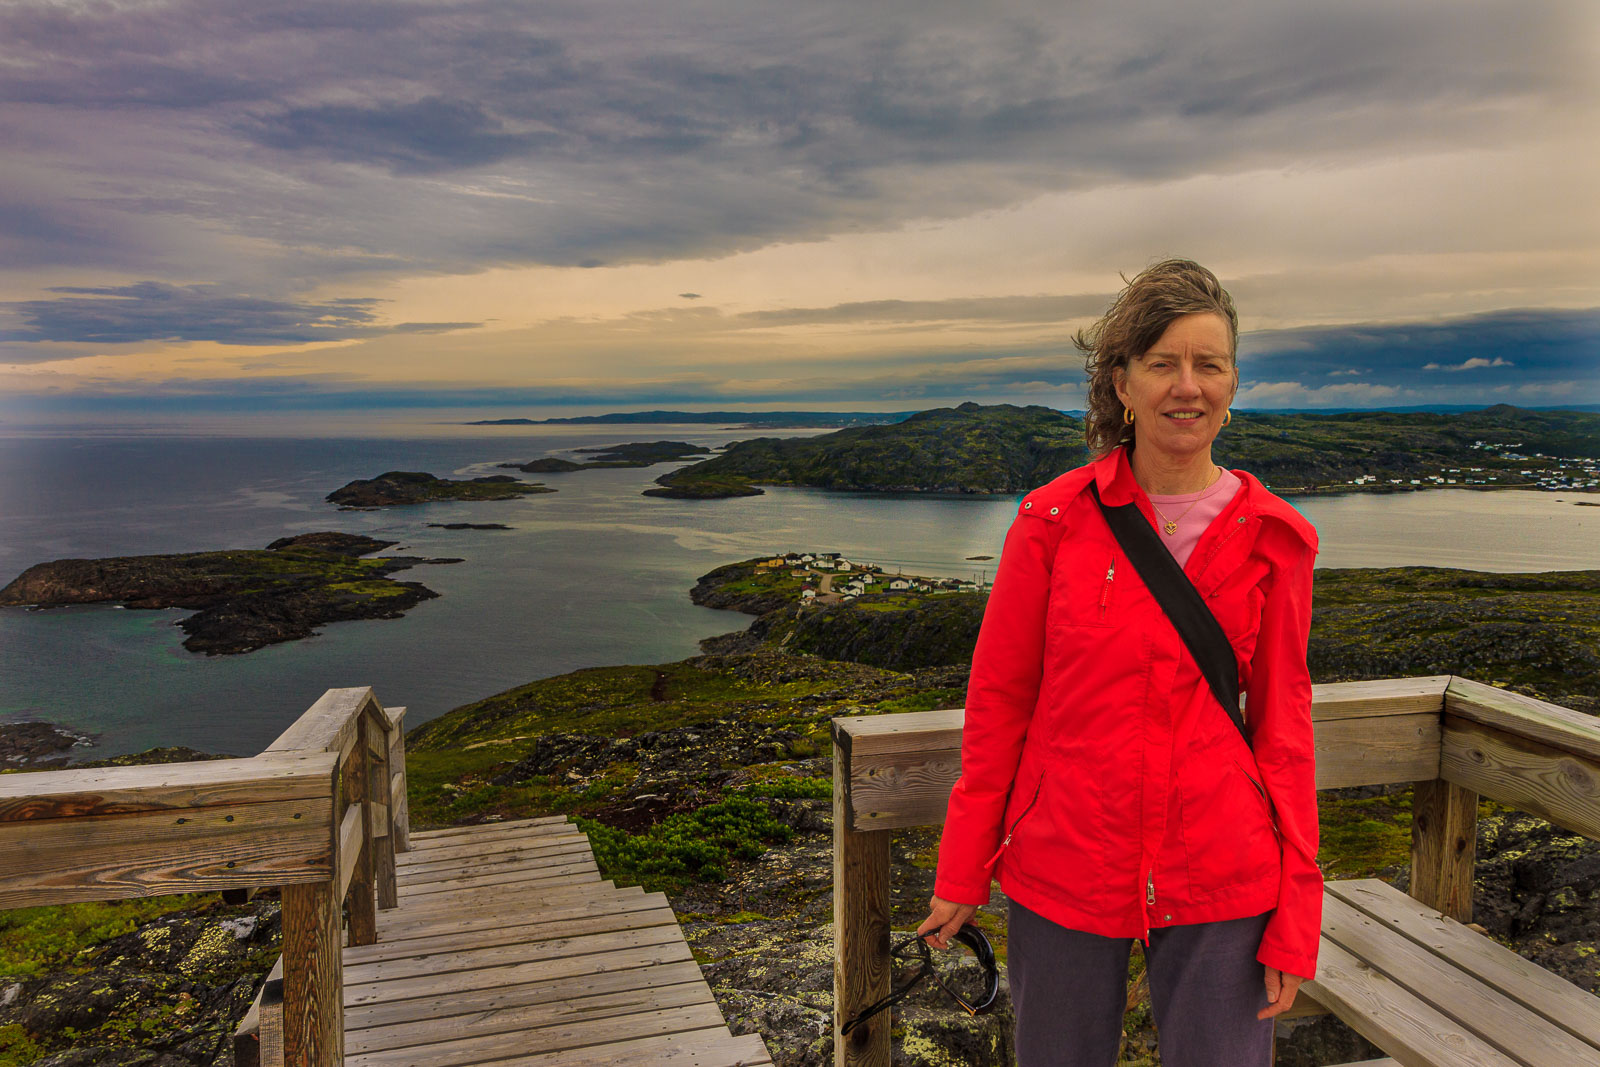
{"type": "Point", "coordinates": [508, 948]}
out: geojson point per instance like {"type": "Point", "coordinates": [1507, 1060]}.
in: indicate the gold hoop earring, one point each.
{"type": "Point", "coordinates": [1127, 417]}
{"type": "Point", "coordinates": [1227, 416]}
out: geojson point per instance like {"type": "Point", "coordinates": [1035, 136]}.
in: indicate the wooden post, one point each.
{"type": "Point", "coordinates": [1444, 839]}
{"type": "Point", "coordinates": [313, 976]}
{"type": "Point", "coordinates": [383, 844]}
{"type": "Point", "coordinates": [860, 925]}
{"type": "Point", "coordinates": [400, 810]}
{"type": "Point", "coordinates": [360, 899]}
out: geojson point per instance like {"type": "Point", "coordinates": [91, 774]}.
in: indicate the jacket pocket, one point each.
{"type": "Point", "coordinates": [1011, 832]}
{"type": "Point", "coordinates": [1266, 802]}
{"type": "Point", "coordinates": [1084, 589]}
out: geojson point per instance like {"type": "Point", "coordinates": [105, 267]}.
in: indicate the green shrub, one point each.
{"type": "Point", "coordinates": [693, 846]}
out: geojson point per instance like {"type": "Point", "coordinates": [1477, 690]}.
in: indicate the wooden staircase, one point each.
{"type": "Point", "coordinates": [508, 948]}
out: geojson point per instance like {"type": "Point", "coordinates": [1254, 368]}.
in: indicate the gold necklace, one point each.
{"type": "Point", "coordinates": [1171, 525]}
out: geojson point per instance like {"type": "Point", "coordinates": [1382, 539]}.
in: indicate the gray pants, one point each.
{"type": "Point", "coordinates": [1069, 988]}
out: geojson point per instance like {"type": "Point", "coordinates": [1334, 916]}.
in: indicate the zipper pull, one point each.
{"type": "Point", "coordinates": [1150, 887]}
{"type": "Point", "coordinates": [996, 856]}
{"type": "Point", "coordinates": [1105, 590]}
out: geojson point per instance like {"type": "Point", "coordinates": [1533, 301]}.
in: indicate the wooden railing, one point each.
{"type": "Point", "coordinates": [319, 815]}
{"type": "Point", "coordinates": [1455, 739]}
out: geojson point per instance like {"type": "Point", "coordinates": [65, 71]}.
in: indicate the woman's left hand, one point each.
{"type": "Point", "coordinates": [1280, 992]}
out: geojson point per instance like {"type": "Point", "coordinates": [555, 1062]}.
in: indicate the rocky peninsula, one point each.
{"type": "Point", "coordinates": [628, 454]}
{"type": "Point", "coordinates": [1002, 448]}
{"type": "Point", "coordinates": [395, 488]}
{"type": "Point", "coordinates": [243, 599]}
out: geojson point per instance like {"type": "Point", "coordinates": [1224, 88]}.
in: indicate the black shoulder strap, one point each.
{"type": "Point", "coordinates": [1181, 601]}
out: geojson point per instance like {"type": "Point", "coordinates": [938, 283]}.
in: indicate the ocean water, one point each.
{"type": "Point", "coordinates": [591, 575]}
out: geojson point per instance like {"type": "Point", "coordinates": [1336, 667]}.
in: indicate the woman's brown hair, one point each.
{"type": "Point", "coordinates": [1133, 324]}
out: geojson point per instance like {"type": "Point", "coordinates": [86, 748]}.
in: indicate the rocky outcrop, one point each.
{"type": "Point", "coordinates": [244, 599]}
{"type": "Point", "coordinates": [396, 488]}
{"type": "Point", "coordinates": [629, 454]}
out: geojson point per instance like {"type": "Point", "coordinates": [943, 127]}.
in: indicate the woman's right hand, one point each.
{"type": "Point", "coordinates": [945, 918]}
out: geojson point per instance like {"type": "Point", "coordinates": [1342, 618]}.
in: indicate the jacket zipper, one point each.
{"type": "Point", "coordinates": [1150, 887]}
{"type": "Point", "coordinates": [1105, 590]}
{"type": "Point", "coordinates": [1034, 800]}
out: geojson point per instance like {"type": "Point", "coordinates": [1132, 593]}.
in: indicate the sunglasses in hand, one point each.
{"type": "Point", "coordinates": [969, 975]}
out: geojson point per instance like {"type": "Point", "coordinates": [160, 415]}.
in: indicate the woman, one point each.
{"type": "Point", "coordinates": [1102, 783]}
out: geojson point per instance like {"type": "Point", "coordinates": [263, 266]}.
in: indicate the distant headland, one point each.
{"type": "Point", "coordinates": [1003, 448]}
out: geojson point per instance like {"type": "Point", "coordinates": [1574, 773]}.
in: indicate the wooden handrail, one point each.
{"type": "Point", "coordinates": [1453, 738]}
{"type": "Point", "coordinates": [319, 814]}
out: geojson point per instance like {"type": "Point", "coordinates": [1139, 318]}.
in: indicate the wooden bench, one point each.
{"type": "Point", "coordinates": [1404, 971]}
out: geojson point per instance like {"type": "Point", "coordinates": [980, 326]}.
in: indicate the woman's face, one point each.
{"type": "Point", "coordinates": [1180, 389]}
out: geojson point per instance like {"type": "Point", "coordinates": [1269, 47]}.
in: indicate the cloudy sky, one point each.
{"type": "Point", "coordinates": [599, 204]}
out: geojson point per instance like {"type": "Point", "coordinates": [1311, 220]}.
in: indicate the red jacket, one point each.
{"type": "Point", "coordinates": [1101, 781]}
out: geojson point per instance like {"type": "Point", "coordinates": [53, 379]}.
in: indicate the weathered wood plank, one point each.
{"type": "Point", "coordinates": [1423, 694]}
{"type": "Point", "coordinates": [152, 853]}
{"type": "Point", "coordinates": [1553, 725]}
{"type": "Point", "coordinates": [383, 854]}
{"type": "Point", "coordinates": [529, 1020]}
{"type": "Point", "coordinates": [471, 1050]}
{"type": "Point", "coordinates": [1524, 773]}
{"type": "Point", "coordinates": [1444, 838]}
{"type": "Point", "coordinates": [1394, 1018]}
{"type": "Point", "coordinates": [591, 976]}
{"type": "Point", "coordinates": [902, 772]}
{"type": "Point", "coordinates": [583, 869]}
{"type": "Point", "coordinates": [349, 847]}
{"type": "Point", "coordinates": [403, 927]}
{"type": "Point", "coordinates": [1377, 750]}
{"type": "Point", "coordinates": [861, 929]}
{"type": "Point", "coordinates": [313, 1008]}
{"type": "Point", "coordinates": [541, 970]}
{"type": "Point", "coordinates": [494, 863]}
{"type": "Point", "coordinates": [501, 899]}
{"type": "Point", "coordinates": [100, 791]}
{"type": "Point", "coordinates": [1456, 993]}
{"type": "Point", "coordinates": [247, 1035]}
{"type": "Point", "coordinates": [512, 930]}
{"type": "Point", "coordinates": [420, 858]}
{"type": "Point", "coordinates": [1539, 990]}
{"type": "Point", "coordinates": [401, 820]}
{"type": "Point", "coordinates": [478, 958]}
{"type": "Point", "coordinates": [272, 1048]}
{"type": "Point", "coordinates": [431, 859]}
{"type": "Point", "coordinates": [361, 901]}
{"type": "Point", "coordinates": [534, 823]}
{"type": "Point", "coordinates": [711, 1047]}
{"type": "Point", "coordinates": [329, 725]}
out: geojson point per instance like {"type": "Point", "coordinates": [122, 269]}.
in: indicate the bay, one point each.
{"type": "Point", "coordinates": [594, 574]}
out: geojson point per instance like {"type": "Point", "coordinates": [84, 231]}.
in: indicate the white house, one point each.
{"type": "Point", "coordinates": [899, 583]}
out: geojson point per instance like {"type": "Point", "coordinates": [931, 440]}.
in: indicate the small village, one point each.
{"type": "Point", "coordinates": [1549, 473]}
{"type": "Point", "coordinates": [838, 579]}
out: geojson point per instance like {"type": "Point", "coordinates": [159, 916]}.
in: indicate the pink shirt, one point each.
{"type": "Point", "coordinates": [1192, 512]}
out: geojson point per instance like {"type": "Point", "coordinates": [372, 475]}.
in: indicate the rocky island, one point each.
{"type": "Point", "coordinates": [244, 599]}
{"type": "Point", "coordinates": [1002, 448]}
{"type": "Point", "coordinates": [416, 487]}
{"type": "Point", "coordinates": [629, 454]}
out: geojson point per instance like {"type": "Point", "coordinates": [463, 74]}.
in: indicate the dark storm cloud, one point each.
{"type": "Point", "coordinates": [1008, 309]}
{"type": "Point", "coordinates": [154, 311]}
{"type": "Point", "coordinates": [454, 134]}
{"type": "Point", "coordinates": [1520, 347]}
